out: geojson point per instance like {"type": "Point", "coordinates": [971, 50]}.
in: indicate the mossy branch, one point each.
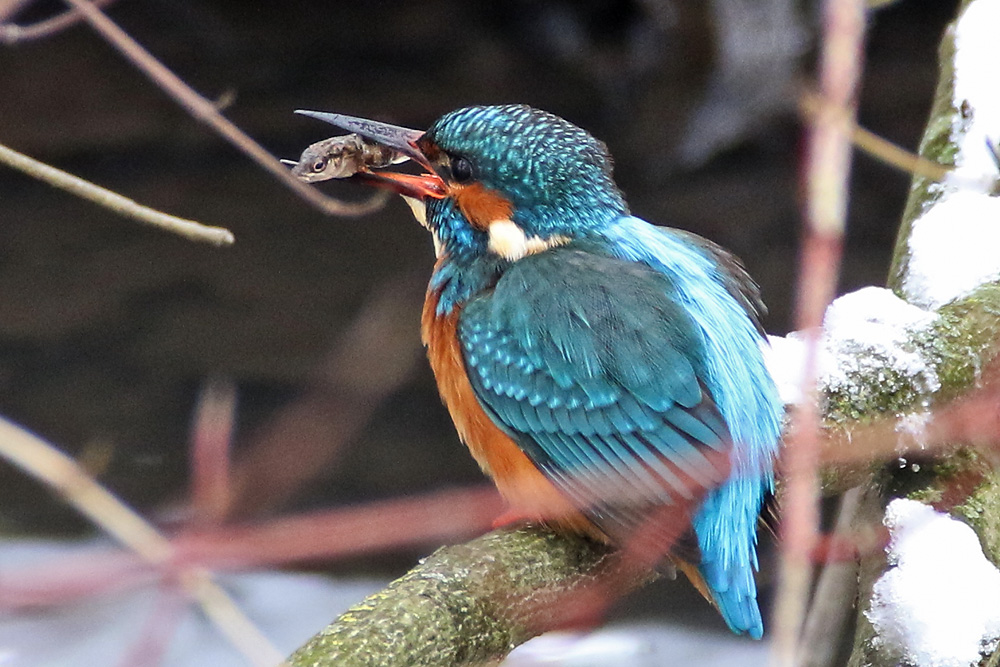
{"type": "Point", "coordinates": [467, 604]}
{"type": "Point", "coordinates": [963, 344]}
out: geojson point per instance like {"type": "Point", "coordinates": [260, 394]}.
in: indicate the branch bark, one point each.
{"type": "Point", "coordinates": [58, 178]}
{"type": "Point", "coordinates": [467, 604]}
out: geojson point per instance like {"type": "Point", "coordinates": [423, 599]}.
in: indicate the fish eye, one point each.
{"type": "Point", "coordinates": [319, 165]}
{"type": "Point", "coordinates": [461, 169]}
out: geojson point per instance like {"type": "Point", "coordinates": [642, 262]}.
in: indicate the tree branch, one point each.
{"type": "Point", "coordinates": [467, 604]}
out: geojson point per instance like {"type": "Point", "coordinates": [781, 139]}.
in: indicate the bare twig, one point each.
{"type": "Point", "coordinates": [79, 490]}
{"type": "Point", "coordinates": [812, 105]}
{"type": "Point", "coordinates": [828, 167]}
{"type": "Point", "coordinates": [189, 229]}
{"type": "Point", "coordinates": [11, 33]}
{"type": "Point", "coordinates": [158, 630]}
{"type": "Point", "coordinates": [205, 111]}
{"type": "Point", "coordinates": [373, 527]}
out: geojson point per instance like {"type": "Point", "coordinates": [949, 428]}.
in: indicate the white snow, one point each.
{"type": "Point", "coordinates": [867, 331]}
{"type": "Point", "coordinates": [954, 248]}
{"type": "Point", "coordinates": [864, 333]}
{"type": "Point", "coordinates": [939, 603]}
{"type": "Point", "coordinates": [644, 644]}
{"type": "Point", "coordinates": [785, 357]}
{"type": "Point", "coordinates": [975, 89]}
{"type": "Point", "coordinates": [955, 245]}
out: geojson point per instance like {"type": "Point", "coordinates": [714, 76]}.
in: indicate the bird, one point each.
{"type": "Point", "coordinates": [598, 367]}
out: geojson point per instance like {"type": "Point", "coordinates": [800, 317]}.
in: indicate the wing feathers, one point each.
{"type": "Point", "coordinates": [592, 366]}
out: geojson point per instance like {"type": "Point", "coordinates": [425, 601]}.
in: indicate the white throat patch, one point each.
{"type": "Point", "coordinates": [419, 210]}
{"type": "Point", "coordinates": [510, 242]}
{"type": "Point", "coordinates": [506, 239]}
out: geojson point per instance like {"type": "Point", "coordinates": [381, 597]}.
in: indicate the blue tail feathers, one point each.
{"type": "Point", "coordinates": [726, 530]}
{"type": "Point", "coordinates": [735, 594]}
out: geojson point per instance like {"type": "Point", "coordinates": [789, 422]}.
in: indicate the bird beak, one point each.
{"type": "Point", "coordinates": [401, 139]}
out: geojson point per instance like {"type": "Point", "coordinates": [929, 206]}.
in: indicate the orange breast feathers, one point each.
{"type": "Point", "coordinates": [527, 491]}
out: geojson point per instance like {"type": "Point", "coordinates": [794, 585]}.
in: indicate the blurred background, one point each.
{"type": "Point", "coordinates": [109, 331]}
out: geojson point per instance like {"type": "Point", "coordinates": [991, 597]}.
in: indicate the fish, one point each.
{"type": "Point", "coordinates": [342, 157]}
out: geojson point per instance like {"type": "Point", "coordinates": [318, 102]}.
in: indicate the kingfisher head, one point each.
{"type": "Point", "coordinates": [502, 182]}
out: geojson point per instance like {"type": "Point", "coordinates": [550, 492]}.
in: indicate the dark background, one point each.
{"type": "Point", "coordinates": [108, 330]}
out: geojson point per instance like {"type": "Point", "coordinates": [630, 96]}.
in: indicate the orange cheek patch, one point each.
{"type": "Point", "coordinates": [481, 205]}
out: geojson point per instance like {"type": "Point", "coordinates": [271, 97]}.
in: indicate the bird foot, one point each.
{"type": "Point", "coordinates": [511, 517]}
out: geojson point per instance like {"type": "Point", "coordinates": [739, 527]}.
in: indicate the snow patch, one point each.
{"type": "Point", "coordinates": [865, 333]}
{"type": "Point", "coordinates": [938, 603]}
{"type": "Point", "coordinates": [955, 245]}
{"type": "Point", "coordinates": [954, 248]}
{"type": "Point", "coordinates": [785, 357]}
{"type": "Point", "coordinates": [976, 92]}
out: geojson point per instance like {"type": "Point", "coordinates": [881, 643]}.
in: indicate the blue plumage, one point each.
{"type": "Point", "coordinates": [623, 359]}
{"type": "Point", "coordinates": [745, 394]}
{"type": "Point", "coordinates": [649, 333]}
{"type": "Point", "coordinates": [633, 354]}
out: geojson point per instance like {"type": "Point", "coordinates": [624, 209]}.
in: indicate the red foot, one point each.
{"type": "Point", "coordinates": [511, 517]}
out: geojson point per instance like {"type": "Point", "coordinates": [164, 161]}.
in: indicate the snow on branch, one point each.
{"type": "Point", "coordinates": [869, 336]}
{"type": "Point", "coordinates": [951, 232]}
{"type": "Point", "coordinates": [937, 606]}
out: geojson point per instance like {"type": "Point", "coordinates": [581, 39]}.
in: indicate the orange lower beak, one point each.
{"type": "Point", "coordinates": [408, 185]}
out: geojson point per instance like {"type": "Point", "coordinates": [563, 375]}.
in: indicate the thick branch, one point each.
{"type": "Point", "coordinates": [965, 482]}
{"type": "Point", "coordinates": [467, 604]}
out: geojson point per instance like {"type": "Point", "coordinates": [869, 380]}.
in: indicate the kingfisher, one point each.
{"type": "Point", "coordinates": [598, 367]}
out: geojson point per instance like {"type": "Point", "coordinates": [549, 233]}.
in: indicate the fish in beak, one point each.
{"type": "Point", "coordinates": [373, 145]}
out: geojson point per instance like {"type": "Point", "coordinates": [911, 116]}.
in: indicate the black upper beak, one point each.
{"type": "Point", "coordinates": [402, 139]}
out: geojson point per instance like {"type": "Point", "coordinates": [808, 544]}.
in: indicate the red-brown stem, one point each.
{"type": "Point", "coordinates": [211, 439]}
{"type": "Point", "coordinates": [158, 630]}
{"type": "Point", "coordinates": [368, 528]}
{"type": "Point", "coordinates": [827, 169]}
{"type": "Point", "coordinates": [422, 521]}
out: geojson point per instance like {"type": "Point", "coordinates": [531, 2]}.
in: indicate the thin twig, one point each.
{"type": "Point", "coordinates": [50, 466]}
{"type": "Point", "coordinates": [812, 104]}
{"type": "Point", "coordinates": [205, 111]}
{"type": "Point", "coordinates": [11, 33]}
{"type": "Point", "coordinates": [129, 208]}
{"type": "Point", "coordinates": [828, 168]}
{"type": "Point", "coordinates": [889, 153]}
{"type": "Point", "coordinates": [158, 630]}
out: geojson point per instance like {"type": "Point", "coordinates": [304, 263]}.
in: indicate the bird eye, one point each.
{"type": "Point", "coordinates": [461, 169]}
{"type": "Point", "coordinates": [319, 165]}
